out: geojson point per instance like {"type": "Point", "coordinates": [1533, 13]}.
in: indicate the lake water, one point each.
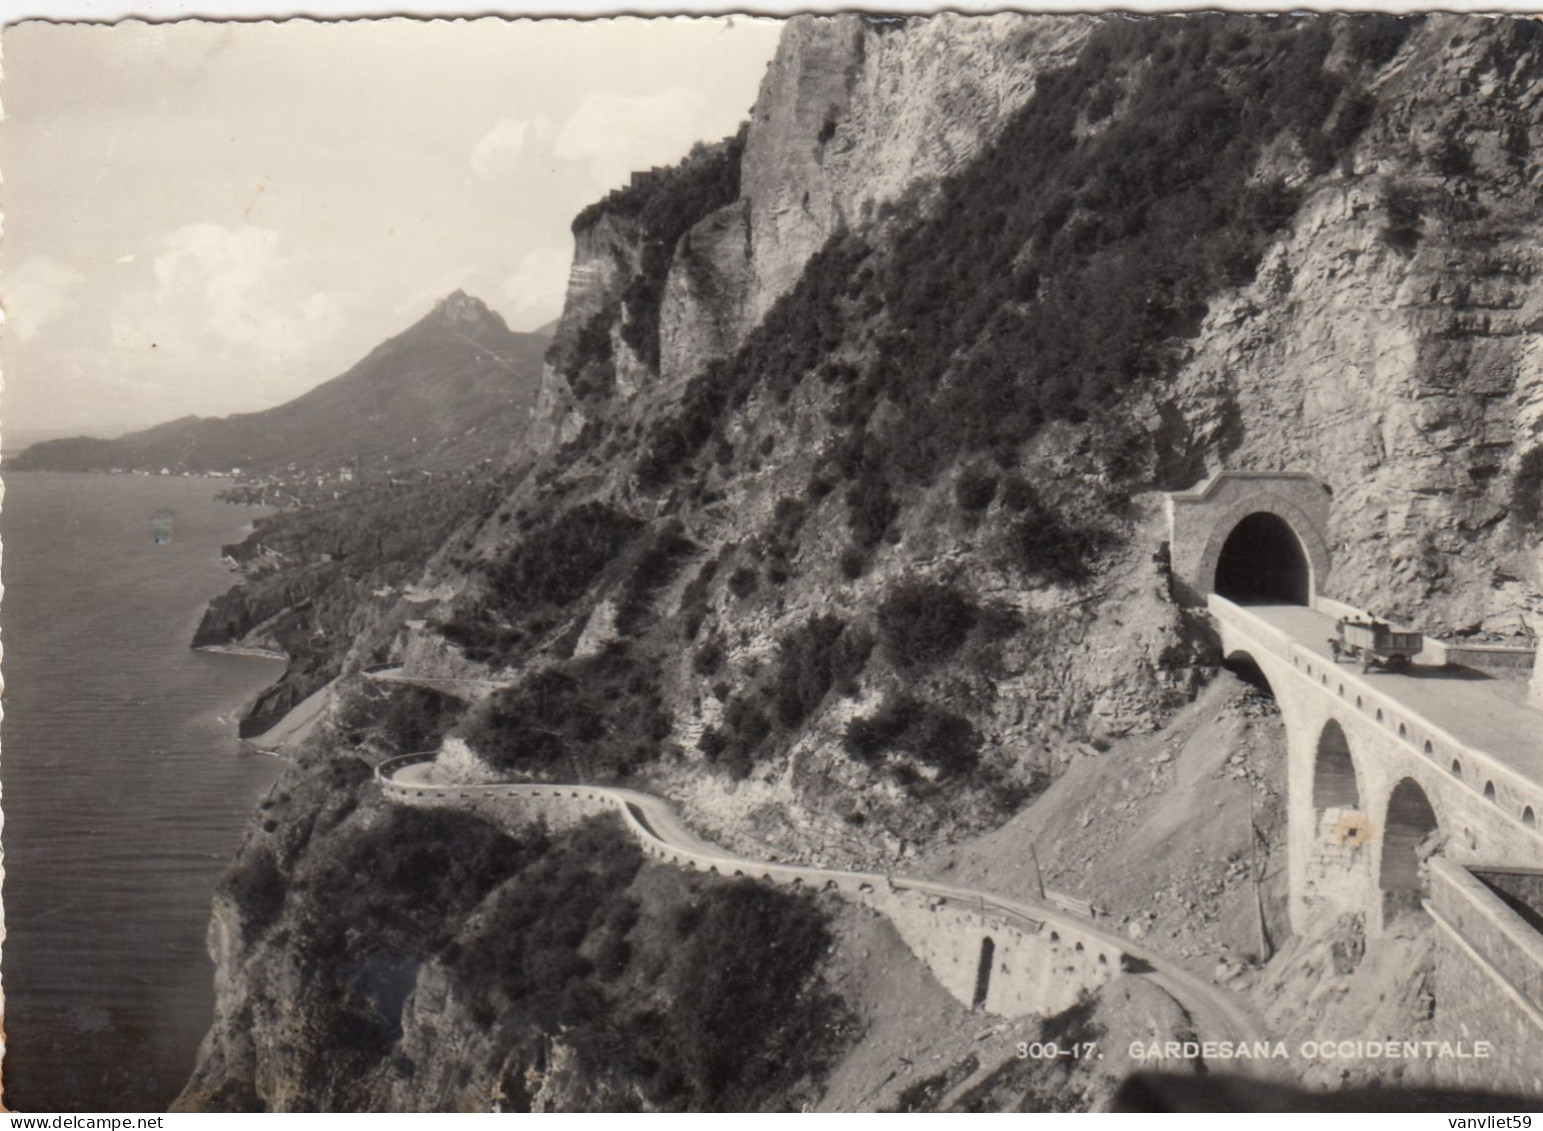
{"type": "Point", "coordinates": [125, 790]}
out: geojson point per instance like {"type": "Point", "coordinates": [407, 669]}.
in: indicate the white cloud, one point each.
{"type": "Point", "coordinates": [618, 133]}
{"type": "Point", "coordinates": [497, 155]}
{"type": "Point", "coordinates": [36, 292]}
{"type": "Point", "coordinates": [538, 285]}
{"type": "Point", "coordinates": [228, 295]}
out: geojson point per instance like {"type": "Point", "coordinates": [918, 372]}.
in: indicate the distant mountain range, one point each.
{"type": "Point", "coordinates": [454, 388]}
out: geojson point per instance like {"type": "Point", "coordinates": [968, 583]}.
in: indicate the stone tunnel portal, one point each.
{"type": "Point", "coordinates": [1262, 562]}
{"type": "Point", "coordinates": [1406, 841]}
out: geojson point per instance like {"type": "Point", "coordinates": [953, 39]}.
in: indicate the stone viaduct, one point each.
{"type": "Point", "coordinates": [1409, 792]}
{"type": "Point", "coordinates": [1383, 769]}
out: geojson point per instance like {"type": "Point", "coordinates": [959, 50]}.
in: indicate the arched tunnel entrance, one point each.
{"type": "Point", "coordinates": [1262, 562]}
{"type": "Point", "coordinates": [1334, 784]}
{"type": "Point", "coordinates": [1410, 822]}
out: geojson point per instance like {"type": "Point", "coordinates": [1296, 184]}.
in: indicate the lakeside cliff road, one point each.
{"type": "Point", "coordinates": [1062, 920]}
{"type": "Point", "coordinates": [464, 688]}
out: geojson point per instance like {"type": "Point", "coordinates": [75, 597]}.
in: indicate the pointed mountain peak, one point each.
{"type": "Point", "coordinates": [460, 309]}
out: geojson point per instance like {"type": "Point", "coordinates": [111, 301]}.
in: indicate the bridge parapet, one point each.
{"type": "Point", "coordinates": [1489, 971]}
{"type": "Point", "coordinates": [1515, 798]}
{"type": "Point", "coordinates": [1492, 924]}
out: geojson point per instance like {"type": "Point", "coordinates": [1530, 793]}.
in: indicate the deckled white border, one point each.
{"type": "Point", "coordinates": [107, 11]}
{"type": "Point", "coordinates": [13, 11]}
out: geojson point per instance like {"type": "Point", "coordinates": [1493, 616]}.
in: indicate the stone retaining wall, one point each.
{"type": "Point", "coordinates": [1034, 967]}
{"type": "Point", "coordinates": [1489, 984]}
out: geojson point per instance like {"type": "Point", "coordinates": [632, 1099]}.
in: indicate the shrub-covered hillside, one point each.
{"type": "Point", "coordinates": [885, 530]}
{"type": "Point", "coordinates": [444, 964]}
{"type": "Point", "coordinates": [317, 575]}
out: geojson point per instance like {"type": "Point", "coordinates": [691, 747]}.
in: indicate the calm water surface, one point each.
{"type": "Point", "coordinates": [125, 791]}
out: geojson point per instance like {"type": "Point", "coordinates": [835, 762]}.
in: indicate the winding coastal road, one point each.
{"type": "Point", "coordinates": [465, 688]}
{"type": "Point", "coordinates": [1216, 1013]}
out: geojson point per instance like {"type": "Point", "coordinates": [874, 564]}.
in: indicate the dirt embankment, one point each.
{"type": "Point", "coordinates": [1178, 837]}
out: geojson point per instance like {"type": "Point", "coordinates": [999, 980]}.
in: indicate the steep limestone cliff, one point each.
{"type": "Point", "coordinates": [605, 255]}
{"type": "Point", "coordinates": [855, 113]}
{"type": "Point", "coordinates": [865, 134]}
{"type": "Point", "coordinates": [1390, 343]}
{"type": "Point", "coordinates": [852, 114]}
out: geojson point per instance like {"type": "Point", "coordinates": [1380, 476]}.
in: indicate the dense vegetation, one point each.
{"type": "Point", "coordinates": [920, 731]}
{"type": "Point", "coordinates": [591, 719]}
{"type": "Point", "coordinates": [396, 718]}
{"type": "Point", "coordinates": [559, 560]}
{"type": "Point", "coordinates": [310, 569]}
{"type": "Point", "coordinates": [924, 622]}
{"type": "Point", "coordinates": [813, 658]}
{"type": "Point", "coordinates": [664, 551]}
{"type": "Point", "coordinates": [682, 993]}
{"type": "Point", "coordinates": [1063, 268]}
{"type": "Point", "coordinates": [388, 528]}
{"type": "Point", "coordinates": [529, 585]}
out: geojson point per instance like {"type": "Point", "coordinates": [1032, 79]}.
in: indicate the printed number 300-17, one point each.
{"type": "Point", "coordinates": [1050, 1050]}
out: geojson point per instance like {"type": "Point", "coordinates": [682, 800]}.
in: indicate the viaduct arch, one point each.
{"type": "Point", "coordinates": [1409, 835]}
{"type": "Point", "coordinates": [1375, 785]}
{"type": "Point", "coordinates": [1243, 665]}
{"type": "Point", "coordinates": [1334, 776]}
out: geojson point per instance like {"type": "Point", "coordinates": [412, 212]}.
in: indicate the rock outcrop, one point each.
{"type": "Point", "coordinates": [855, 113]}
{"type": "Point", "coordinates": [1390, 342]}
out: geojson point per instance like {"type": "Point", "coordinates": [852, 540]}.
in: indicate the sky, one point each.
{"type": "Point", "coordinates": [212, 218]}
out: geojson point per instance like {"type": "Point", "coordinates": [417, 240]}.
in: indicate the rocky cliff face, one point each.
{"type": "Point", "coordinates": [854, 114]}
{"type": "Point", "coordinates": [1390, 344]}
{"type": "Point", "coordinates": [605, 256]}
{"type": "Point", "coordinates": [525, 977]}
{"type": "Point", "coordinates": [1387, 344]}
{"type": "Point", "coordinates": [1381, 342]}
